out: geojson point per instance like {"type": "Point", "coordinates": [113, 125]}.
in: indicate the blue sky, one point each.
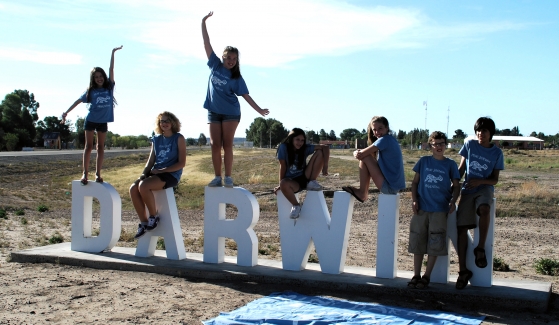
{"type": "Point", "coordinates": [315, 64]}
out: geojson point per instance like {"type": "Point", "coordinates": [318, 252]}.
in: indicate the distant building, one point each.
{"type": "Point", "coordinates": [344, 144]}
{"type": "Point", "coordinates": [514, 142]}
{"type": "Point", "coordinates": [51, 140]}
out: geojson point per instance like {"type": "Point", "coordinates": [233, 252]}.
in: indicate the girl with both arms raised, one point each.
{"type": "Point", "coordinates": [163, 169]}
{"type": "Point", "coordinates": [101, 102]}
{"type": "Point", "coordinates": [224, 111]}
{"type": "Point", "coordinates": [294, 173]}
{"type": "Point", "coordinates": [386, 171]}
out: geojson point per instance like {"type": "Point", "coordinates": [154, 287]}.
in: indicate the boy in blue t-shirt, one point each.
{"type": "Point", "coordinates": [481, 162]}
{"type": "Point", "coordinates": [435, 189]}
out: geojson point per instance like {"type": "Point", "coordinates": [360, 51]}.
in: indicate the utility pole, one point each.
{"type": "Point", "coordinates": [425, 104]}
{"type": "Point", "coordinates": [447, 120]}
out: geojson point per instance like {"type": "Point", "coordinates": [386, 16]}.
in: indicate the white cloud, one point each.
{"type": "Point", "coordinates": [58, 58]}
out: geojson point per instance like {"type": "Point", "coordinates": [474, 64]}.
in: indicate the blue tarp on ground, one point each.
{"type": "Point", "coordinates": [293, 308]}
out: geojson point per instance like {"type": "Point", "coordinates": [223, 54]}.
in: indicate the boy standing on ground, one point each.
{"type": "Point", "coordinates": [481, 161]}
{"type": "Point", "coordinates": [435, 189]}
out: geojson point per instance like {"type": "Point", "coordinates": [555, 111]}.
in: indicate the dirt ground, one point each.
{"type": "Point", "coordinates": [46, 293]}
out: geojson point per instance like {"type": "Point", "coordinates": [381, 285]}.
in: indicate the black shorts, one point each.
{"type": "Point", "coordinates": [302, 181]}
{"type": "Point", "coordinates": [168, 179]}
{"type": "Point", "coordinates": [92, 126]}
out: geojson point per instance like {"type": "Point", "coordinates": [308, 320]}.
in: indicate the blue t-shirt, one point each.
{"type": "Point", "coordinates": [166, 152]}
{"type": "Point", "coordinates": [435, 182]}
{"type": "Point", "coordinates": [391, 162]}
{"type": "Point", "coordinates": [100, 106]}
{"type": "Point", "coordinates": [292, 170]}
{"type": "Point", "coordinates": [222, 90]}
{"type": "Point", "coordinates": [480, 163]}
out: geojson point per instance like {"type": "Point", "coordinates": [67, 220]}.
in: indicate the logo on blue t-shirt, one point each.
{"type": "Point", "coordinates": [430, 178]}
{"type": "Point", "coordinates": [102, 100]}
{"type": "Point", "coordinates": [477, 166]}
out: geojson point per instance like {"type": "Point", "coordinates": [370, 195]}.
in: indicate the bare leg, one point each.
{"type": "Point", "coordinates": [100, 152]}
{"type": "Point", "coordinates": [462, 247]}
{"type": "Point", "coordinates": [288, 188]}
{"type": "Point", "coordinates": [431, 259]}
{"type": "Point", "coordinates": [484, 219]}
{"type": "Point", "coordinates": [228, 133]}
{"type": "Point", "coordinates": [417, 261]}
{"type": "Point", "coordinates": [368, 168]}
{"type": "Point", "coordinates": [215, 141]}
{"type": "Point", "coordinates": [315, 165]}
{"type": "Point", "coordinates": [87, 150]}
{"type": "Point", "coordinates": [152, 183]}
{"type": "Point", "coordinates": [137, 201]}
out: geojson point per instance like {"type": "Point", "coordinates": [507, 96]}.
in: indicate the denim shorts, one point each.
{"type": "Point", "coordinates": [214, 117]}
{"type": "Point", "coordinates": [92, 126]}
{"type": "Point", "coordinates": [386, 189]}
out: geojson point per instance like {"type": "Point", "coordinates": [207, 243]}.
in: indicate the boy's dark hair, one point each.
{"type": "Point", "coordinates": [236, 70]}
{"type": "Point", "coordinates": [291, 152]}
{"type": "Point", "coordinates": [485, 123]}
{"type": "Point", "coordinates": [437, 135]}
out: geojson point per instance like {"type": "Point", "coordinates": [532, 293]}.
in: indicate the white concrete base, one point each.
{"type": "Point", "coordinates": [82, 215]}
{"type": "Point", "coordinates": [329, 234]}
{"type": "Point", "coordinates": [387, 235]}
{"type": "Point", "coordinates": [169, 228]}
{"type": "Point", "coordinates": [240, 229]}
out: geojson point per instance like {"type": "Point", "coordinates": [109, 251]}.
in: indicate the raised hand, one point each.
{"type": "Point", "coordinates": [207, 16]}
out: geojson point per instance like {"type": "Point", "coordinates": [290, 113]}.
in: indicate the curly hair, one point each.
{"type": "Point", "coordinates": [175, 123]}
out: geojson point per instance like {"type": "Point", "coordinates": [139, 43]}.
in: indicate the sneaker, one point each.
{"type": "Point", "coordinates": [141, 231]}
{"type": "Point", "coordinates": [216, 182]}
{"type": "Point", "coordinates": [153, 221]}
{"type": "Point", "coordinates": [314, 186]}
{"type": "Point", "coordinates": [228, 181]}
{"type": "Point", "coordinates": [295, 211]}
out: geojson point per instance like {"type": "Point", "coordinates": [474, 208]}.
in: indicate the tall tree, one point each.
{"type": "Point", "coordinates": [266, 132]}
{"type": "Point", "coordinates": [202, 141]}
{"type": "Point", "coordinates": [332, 136]}
{"type": "Point", "coordinates": [349, 134]}
{"type": "Point", "coordinates": [18, 113]}
{"type": "Point", "coordinates": [459, 135]}
{"type": "Point", "coordinates": [322, 134]}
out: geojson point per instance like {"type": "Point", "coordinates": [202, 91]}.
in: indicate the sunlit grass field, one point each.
{"type": "Point", "coordinates": [528, 183]}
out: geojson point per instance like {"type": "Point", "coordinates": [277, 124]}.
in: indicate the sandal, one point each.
{"type": "Point", "coordinates": [98, 179]}
{"type": "Point", "coordinates": [481, 262]}
{"type": "Point", "coordinates": [351, 191]}
{"type": "Point", "coordinates": [84, 179]}
{"type": "Point", "coordinates": [424, 282]}
{"type": "Point", "coordinates": [414, 281]}
{"type": "Point", "coordinates": [463, 279]}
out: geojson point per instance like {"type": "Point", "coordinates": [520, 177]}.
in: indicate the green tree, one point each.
{"type": "Point", "coordinates": [190, 141]}
{"type": "Point", "coordinates": [323, 135]}
{"type": "Point", "coordinates": [332, 136]}
{"type": "Point", "coordinates": [349, 134]}
{"type": "Point", "coordinates": [18, 114]}
{"type": "Point", "coordinates": [264, 132]}
{"type": "Point", "coordinates": [10, 141]}
{"type": "Point", "coordinates": [52, 124]}
{"type": "Point", "coordinates": [202, 140]}
{"type": "Point", "coordinates": [459, 135]}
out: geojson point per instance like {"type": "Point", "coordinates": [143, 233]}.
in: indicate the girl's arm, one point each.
{"type": "Point", "coordinates": [257, 108]}
{"type": "Point", "coordinates": [76, 103]}
{"type": "Point", "coordinates": [149, 164]}
{"type": "Point", "coordinates": [414, 202]}
{"type": "Point", "coordinates": [282, 171]}
{"type": "Point", "coordinates": [112, 66]}
{"type": "Point", "coordinates": [181, 143]}
{"type": "Point", "coordinates": [370, 150]}
{"type": "Point", "coordinates": [326, 156]}
{"type": "Point", "coordinates": [205, 36]}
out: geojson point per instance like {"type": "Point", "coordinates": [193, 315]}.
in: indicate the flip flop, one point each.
{"type": "Point", "coordinates": [482, 261]}
{"type": "Point", "coordinates": [98, 179]}
{"type": "Point", "coordinates": [351, 191]}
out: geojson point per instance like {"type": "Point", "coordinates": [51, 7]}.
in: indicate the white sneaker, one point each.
{"type": "Point", "coordinates": [295, 211]}
{"type": "Point", "coordinates": [153, 221]}
{"type": "Point", "coordinates": [314, 186]}
{"type": "Point", "coordinates": [228, 181]}
{"type": "Point", "coordinates": [216, 182]}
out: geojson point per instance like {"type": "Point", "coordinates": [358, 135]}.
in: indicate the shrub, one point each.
{"type": "Point", "coordinates": [24, 221]}
{"type": "Point", "coordinates": [547, 266]}
{"type": "Point", "coordinates": [160, 243]}
{"type": "Point", "coordinates": [20, 212]}
{"type": "Point", "coordinates": [313, 258]}
{"type": "Point", "coordinates": [42, 208]}
{"type": "Point", "coordinates": [3, 214]}
{"type": "Point", "coordinates": [56, 239]}
{"type": "Point", "coordinates": [500, 265]}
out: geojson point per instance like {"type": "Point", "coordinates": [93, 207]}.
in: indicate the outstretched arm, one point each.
{"type": "Point", "coordinates": [205, 36]}
{"type": "Point", "coordinates": [76, 103]}
{"type": "Point", "coordinates": [112, 66]}
{"type": "Point", "coordinates": [257, 108]}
